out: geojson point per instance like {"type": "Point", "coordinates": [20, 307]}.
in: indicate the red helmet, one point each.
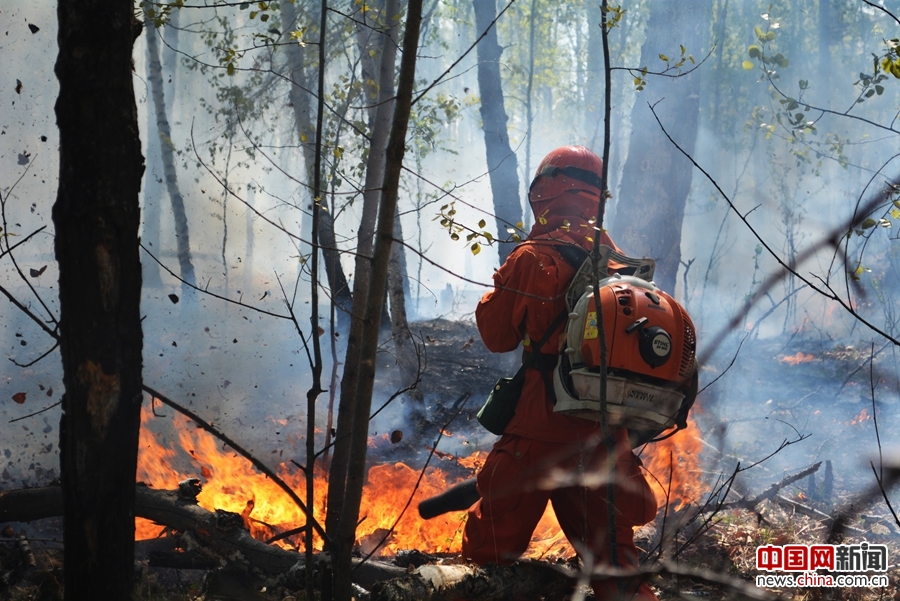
{"type": "Point", "coordinates": [569, 168]}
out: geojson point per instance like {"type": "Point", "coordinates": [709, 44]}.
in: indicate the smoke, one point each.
{"type": "Point", "coordinates": [248, 370]}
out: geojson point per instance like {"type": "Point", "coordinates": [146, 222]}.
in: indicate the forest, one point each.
{"type": "Point", "coordinates": [242, 245]}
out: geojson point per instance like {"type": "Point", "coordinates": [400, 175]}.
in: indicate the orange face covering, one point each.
{"type": "Point", "coordinates": [571, 216]}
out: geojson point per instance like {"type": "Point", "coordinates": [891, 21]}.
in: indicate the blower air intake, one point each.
{"type": "Point", "coordinates": [650, 348]}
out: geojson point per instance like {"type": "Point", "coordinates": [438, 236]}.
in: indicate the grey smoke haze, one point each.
{"type": "Point", "coordinates": [240, 367]}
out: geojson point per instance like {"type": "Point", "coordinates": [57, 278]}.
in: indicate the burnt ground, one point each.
{"type": "Point", "coordinates": [777, 408]}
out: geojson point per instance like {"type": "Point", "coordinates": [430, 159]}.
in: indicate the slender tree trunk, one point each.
{"type": "Point", "coordinates": [825, 39]}
{"type": "Point", "coordinates": [97, 217]}
{"type": "Point", "coordinates": [372, 194]}
{"type": "Point", "coordinates": [656, 179]}
{"type": "Point", "coordinates": [593, 101]}
{"type": "Point", "coordinates": [529, 111]}
{"type": "Point", "coordinates": [387, 211]}
{"type": "Point", "coordinates": [404, 344]}
{"type": "Point", "coordinates": [501, 160]}
{"type": "Point", "coordinates": [153, 189]}
{"type": "Point", "coordinates": [182, 235]}
{"type": "Point", "coordinates": [301, 100]}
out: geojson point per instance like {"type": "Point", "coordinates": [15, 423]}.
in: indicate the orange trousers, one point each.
{"type": "Point", "coordinates": [518, 478]}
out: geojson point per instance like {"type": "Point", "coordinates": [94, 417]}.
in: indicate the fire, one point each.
{"type": "Point", "coordinates": [797, 359]}
{"type": "Point", "coordinates": [862, 416]}
{"type": "Point", "coordinates": [673, 468]}
{"type": "Point", "coordinates": [231, 483]}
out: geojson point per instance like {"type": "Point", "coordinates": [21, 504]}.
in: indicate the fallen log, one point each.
{"type": "Point", "coordinates": [448, 582]}
{"type": "Point", "coordinates": [221, 532]}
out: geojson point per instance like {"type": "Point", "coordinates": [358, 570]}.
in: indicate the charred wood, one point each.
{"type": "Point", "coordinates": [191, 560]}
{"type": "Point", "coordinates": [221, 532]}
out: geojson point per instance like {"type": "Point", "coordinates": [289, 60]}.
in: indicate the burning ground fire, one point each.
{"type": "Point", "coordinates": [231, 483]}
{"type": "Point", "coordinates": [797, 359]}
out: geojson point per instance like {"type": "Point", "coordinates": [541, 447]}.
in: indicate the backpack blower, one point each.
{"type": "Point", "coordinates": [651, 349]}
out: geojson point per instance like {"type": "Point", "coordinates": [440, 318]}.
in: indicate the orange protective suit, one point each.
{"type": "Point", "coordinates": [546, 456]}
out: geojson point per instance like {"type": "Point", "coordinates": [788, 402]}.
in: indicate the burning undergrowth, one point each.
{"type": "Point", "coordinates": [459, 370]}
{"type": "Point", "coordinates": [778, 409]}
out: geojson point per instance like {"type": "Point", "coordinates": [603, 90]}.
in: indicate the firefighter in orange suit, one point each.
{"type": "Point", "coordinates": [546, 456]}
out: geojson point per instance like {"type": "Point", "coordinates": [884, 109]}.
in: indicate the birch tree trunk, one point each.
{"type": "Point", "coordinates": [372, 195]}
{"type": "Point", "coordinates": [301, 76]}
{"type": "Point", "coordinates": [166, 146]}
{"type": "Point", "coordinates": [501, 160]}
{"type": "Point", "coordinates": [363, 392]}
{"type": "Point", "coordinates": [656, 178]}
{"type": "Point", "coordinates": [97, 217]}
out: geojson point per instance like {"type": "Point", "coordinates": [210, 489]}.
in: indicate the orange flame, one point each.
{"type": "Point", "coordinates": [231, 483]}
{"type": "Point", "coordinates": [797, 359]}
{"type": "Point", "coordinates": [862, 416]}
{"type": "Point", "coordinates": [673, 468]}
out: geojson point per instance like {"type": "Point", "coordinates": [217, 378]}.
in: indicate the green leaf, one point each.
{"type": "Point", "coordinates": [230, 68]}
{"type": "Point", "coordinates": [868, 223]}
{"type": "Point", "coordinates": [476, 248]}
{"type": "Point", "coordinates": [482, 223]}
{"type": "Point", "coordinates": [264, 17]}
{"type": "Point", "coordinates": [663, 57]}
{"type": "Point", "coordinates": [803, 84]}
{"type": "Point", "coordinates": [754, 51]}
{"type": "Point", "coordinates": [759, 33]}
{"type": "Point", "coordinates": [770, 35]}
{"type": "Point", "coordinates": [253, 14]}
{"type": "Point", "coordinates": [747, 65]}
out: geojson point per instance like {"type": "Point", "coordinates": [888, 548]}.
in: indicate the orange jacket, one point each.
{"type": "Point", "coordinates": [529, 293]}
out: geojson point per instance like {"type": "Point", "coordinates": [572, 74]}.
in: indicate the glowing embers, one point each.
{"type": "Point", "coordinates": [862, 416]}
{"type": "Point", "coordinates": [800, 357]}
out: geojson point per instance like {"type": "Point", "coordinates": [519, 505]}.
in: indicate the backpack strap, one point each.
{"type": "Point", "coordinates": [575, 256]}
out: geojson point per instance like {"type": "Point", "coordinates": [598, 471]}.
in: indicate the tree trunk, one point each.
{"type": "Point", "coordinates": [372, 195]}
{"type": "Point", "coordinates": [404, 344]}
{"type": "Point", "coordinates": [97, 217]}
{"type": "Point", "coordinates": [153, 194]}
{"type": "Point", "coordinates": [656, 179]}
{"type": "Point", "coordinates": [501, 160]}
{"type": "Point", "coordinates": [301, 99]}
{"type": "Point", "coordinates": [166, 146]}
{"type": "Point", "coordinates": [366, 368]}
{"type": "Point", "coordinates": [593, 81]}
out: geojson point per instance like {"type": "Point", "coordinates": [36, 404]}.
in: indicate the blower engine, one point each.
{"type": "Point", "coordinates": [650, 348]}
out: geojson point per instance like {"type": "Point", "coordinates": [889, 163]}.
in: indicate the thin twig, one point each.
{"type": "Point", "coordinates": [30, 363]}
{"type": "Point", "coordinates": [18, 419]}
{"type": "Point", "coordinates": [212, 294]}
{"type": "Point", "coordinates": [241, 451]}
